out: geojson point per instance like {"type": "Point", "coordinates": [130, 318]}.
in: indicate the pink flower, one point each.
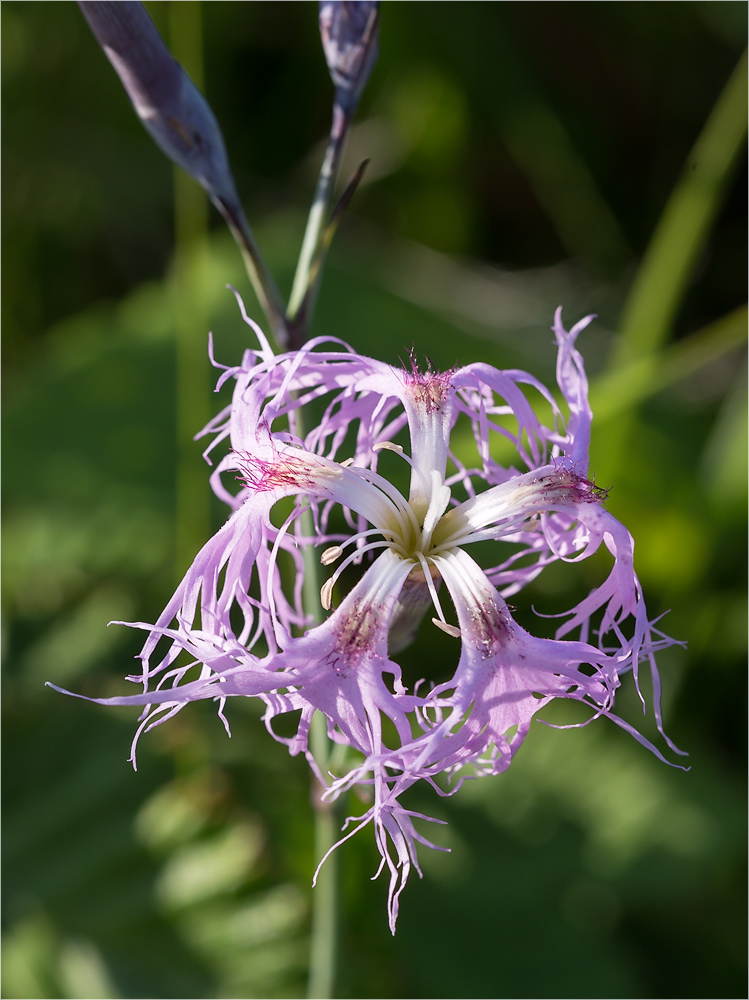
{"type": "Point", "coordinates": [307, 431]}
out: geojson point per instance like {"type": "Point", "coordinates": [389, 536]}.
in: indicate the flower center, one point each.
{"type": "Point", "coordinates": [406, 527]}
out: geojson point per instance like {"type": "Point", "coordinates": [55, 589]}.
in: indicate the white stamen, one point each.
{"type": "Point", "coordinates": [430, 584]}
{"type": "Point", "coordinates": [390, 446]}
{"type": "Point", "coordinates": [330, 555]}
{"type": "Point", "coordinates": [452, 630]}
{"type": "Point", "coordinates": [355, 557]}
{"type": "Point", "coordinates": [346, 463]}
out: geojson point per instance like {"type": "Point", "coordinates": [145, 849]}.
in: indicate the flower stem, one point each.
{"type": "Point", "coordinates": [325, 922]}
{"type": "Point", "coordinates": [307, 277]}
{"type": "Point", "coordinates": [325, 927]}
{"type": "Point", "coordinates": [323, 960]}
{"type": "Point", "coordinates": [262, 281]}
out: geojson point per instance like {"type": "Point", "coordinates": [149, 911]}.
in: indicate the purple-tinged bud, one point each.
{"type": "Point", "coordinates": [349, 31]}
{"type": "Point", "coordinates": [166, 100]}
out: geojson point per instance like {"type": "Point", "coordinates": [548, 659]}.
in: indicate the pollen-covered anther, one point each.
{"type": "Point", "coordinates": [326, 594]}
{"type": "Point", "coordinates": [452, 630]}
{"type": "Point", "coordinates": [330, 555]}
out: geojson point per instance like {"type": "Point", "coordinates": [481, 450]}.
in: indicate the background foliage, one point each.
{"type": "Point", "coordinates": [521, 157]}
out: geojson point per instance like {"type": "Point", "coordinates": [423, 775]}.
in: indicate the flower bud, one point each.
{"type": "Point", "coordinates": [349, 31]}
{"type": "Point", "coordinates": [166, 100]}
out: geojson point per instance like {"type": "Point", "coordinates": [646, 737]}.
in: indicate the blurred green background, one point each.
{"type": "Point", "coordinates": [523, 156]}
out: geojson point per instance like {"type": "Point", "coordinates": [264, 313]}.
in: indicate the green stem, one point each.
{"type": "Point", "coordinates": [325, 925]}
{"type": "Point", "coordinates": [304, 289]}
{"type": "Point", "coordinates": [262, 281]}
{"type": "Point", "coordinates": [324, 935]}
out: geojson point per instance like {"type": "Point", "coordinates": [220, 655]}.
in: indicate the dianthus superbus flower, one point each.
{"type": "Point", "coordinates": [307, 431]}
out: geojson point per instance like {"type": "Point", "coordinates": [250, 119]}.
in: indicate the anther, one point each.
{"type": "Point", "coordinates": [330, 555]}
{"type": "Point", "coordinates": [388, 446]}
{"type": "Point", "coordinates": [452, 630]}
{"type": "Point", "coordinates": [326, 594]}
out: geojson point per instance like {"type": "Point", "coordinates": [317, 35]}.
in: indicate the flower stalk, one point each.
{"type": "Point", "coordinates": [305, 284]}
{"type": "Point", "coordinates": [349, 34]}
{"type": "Point", "coordinates": [324, 937]}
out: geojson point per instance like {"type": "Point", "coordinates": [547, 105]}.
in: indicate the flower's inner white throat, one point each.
{"type": "Point", "coordinates": [398, 527]}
